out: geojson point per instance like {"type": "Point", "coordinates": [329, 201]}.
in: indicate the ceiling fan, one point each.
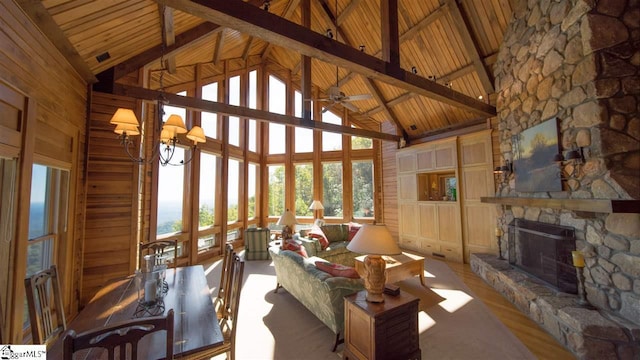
{"type": "Point", "coordinates": [335, 96]}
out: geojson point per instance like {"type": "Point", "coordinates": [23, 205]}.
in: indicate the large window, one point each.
{"type": "Point", "coordinates": [209, 121]}
{"type": "Point", "coordinates": [278, 105]}
{"type": "Point", "coordinates": [252, 178]}
{"type": "Point", "coordinates": [233, 190]}
{"type": "Point", "coordinates": [170, 196]}
{"type": "Point", "coordinates": [362, 174]}
{"type": "Point", "coordinates": [304, 189]}
{"type": "Point", "coordinates": [234, 121]}
{"type": "Point", "coordinates": [331, 141]}
{"type": "Point", "coordinates": [47, 219]}
{"type": "Point", "coordinates": [253, 104]}
{"type": "Point", "coordinates": [303, 137]}
{"type": "Point", "coordinates": [207, 205]}
{"type": "Point", "coordinates": [276, 190]}
{"type": "Point", "coordinates": [332, 189]}
{"type": "Point", "coordinates": [358, 143]}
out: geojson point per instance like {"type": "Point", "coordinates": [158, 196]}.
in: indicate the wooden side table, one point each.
{"type": "Point", "coordinates": [387, 330]}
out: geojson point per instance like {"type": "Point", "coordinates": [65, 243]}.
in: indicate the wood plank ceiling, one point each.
{"type": "Point", "coordinates": [452, 43]}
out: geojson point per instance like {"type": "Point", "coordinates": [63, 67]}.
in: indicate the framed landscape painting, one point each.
{"type": "Point", "coordinates": [533, 166]}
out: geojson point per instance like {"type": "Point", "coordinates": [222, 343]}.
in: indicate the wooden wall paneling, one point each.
{"type": "Point", "coordinates": [112, 194]}
{"type": "Point", "coordinates": [56, 99]}
{"type": "Point", "coordinates": [388, 149]}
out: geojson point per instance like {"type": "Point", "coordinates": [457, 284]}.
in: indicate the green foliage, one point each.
{"type": "Point", "coordinates": [361, 143]}
{"type": "Point", "coordinates": [304, 189]}
{"type": "Point", "coordinates": [332, 188]}
{"type": "Point", "coordinates": [206, 216]}
{"type": "Point", "coordinates": [362, 172]}
{"type": "Point", "coordinates": [276, 190]}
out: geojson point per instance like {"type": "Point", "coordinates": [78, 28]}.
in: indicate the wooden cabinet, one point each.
{"type": "Point", "coordinates": [439, 190]}
{"type": "Point", "coordinates": [387, 330]}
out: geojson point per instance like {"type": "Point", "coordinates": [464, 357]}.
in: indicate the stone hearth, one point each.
{"type": "Point", "coordinates": [588, 333]}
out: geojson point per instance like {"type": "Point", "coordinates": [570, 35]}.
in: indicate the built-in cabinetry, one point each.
{"type": "Point", "coordinates": [439, 188]}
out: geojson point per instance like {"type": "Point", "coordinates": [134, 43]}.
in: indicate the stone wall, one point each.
{"type": "Point", "coordinates": [579, 61]}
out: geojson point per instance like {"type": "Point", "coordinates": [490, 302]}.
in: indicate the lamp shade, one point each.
{"type": "Point", "coordinates": [374, 240]}
{"type": "Point", "coordinates": [175, 124]}
{"type": "Point", "coordinates": [287, 219]}
{"type": "Point", "coordinates": [196, 134]}
{"type": "Point", "coordinates": [124, 116]}
{"type": "Point", "coordinates": [127, 129]}
{"type": "Point", "coordinates": [316, 205]}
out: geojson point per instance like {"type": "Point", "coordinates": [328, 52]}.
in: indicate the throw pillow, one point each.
{"type": "Point", "coordinates": [295, 247]}
{"type": "Point", "coordinates": [337, 269]}
{"type": "Point", "coordinates": [353, 229]}
{"type": "Point", "coordinates": [333, 232]}
{"type": "Point", "coordinates": [316, 233]}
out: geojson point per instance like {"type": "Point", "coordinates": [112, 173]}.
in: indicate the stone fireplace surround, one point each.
{"type": "Point", "coordinates": [577, 60]}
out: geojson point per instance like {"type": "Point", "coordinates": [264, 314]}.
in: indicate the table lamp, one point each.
{"type": "Point", "coordinates": [374, 241]}
{"type": "Point", "coordinates": [316, 205]}
{"type": "Point", "coordinates": [288, 222]}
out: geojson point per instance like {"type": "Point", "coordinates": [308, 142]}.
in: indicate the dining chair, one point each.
{"type": "Point", "coordinates": [120, 338]}
{"type": "Point", "coordinates": [159, 247]}
{"type": "Point", "coordinates": [44, 302]}
{"type": "Point", "coordinates": [222, 297]}
{"type": "Point", "coordinates": [229, 320]}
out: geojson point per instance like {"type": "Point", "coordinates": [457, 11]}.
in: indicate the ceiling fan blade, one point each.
{"type": "Point", "coordinates": [357, 97]}
{"type": "Point", "coordinates": [326, 108]}
{"type": "Point", "coordinates": [351, 107]}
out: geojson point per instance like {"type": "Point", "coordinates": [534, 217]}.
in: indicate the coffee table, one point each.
{"type": "Point", "coordinates": [399, 267]}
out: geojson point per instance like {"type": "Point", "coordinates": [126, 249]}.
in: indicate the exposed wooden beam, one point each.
{"type": "Point", "coordinates": [168, 36]}
{"type": "Point", "coordinates": [390, 115]}
{"type": "Point", "coordinates": [245, 112]}
{"type": "Point", "coordinates": [291, 7]}
{"type": "Point", "coordinates": [428, 20]}
{"type": "Point", "coordinates": [44, 21]}
{"type": "Point", "coordinates": [347, 11]}
{"type": "Point", "coordinates": [279, 31]}
{"type": "Point", "coordinates": [154, 53]}
{"type": "Point", "coordinates": [389, 32]}
{"type": "Point", "coordinates": [217, 51]}
{"type": "Point", "coordinates": [247, 47]}
{"type": "Point", "coordinates": [462, 24]}
{"type": "Point", "coordinates": [305, 81]}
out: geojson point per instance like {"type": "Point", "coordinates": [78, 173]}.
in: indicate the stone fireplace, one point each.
{"type": "Point", "coordinates": [544, 251]}
{"type": "Point", "coordinates": [578, 61]}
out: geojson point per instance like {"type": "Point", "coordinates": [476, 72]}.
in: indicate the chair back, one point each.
{"type": "Point", "coordinates": [229, 319]}
{"type": "Point", "coordinates": [159, 248]}
{"type": "Point", "coordinates": [46, 310]}
{"type": "Point", "coordinates": [224, 272]}
{"type": "Point", "coordinates": [121, 338]}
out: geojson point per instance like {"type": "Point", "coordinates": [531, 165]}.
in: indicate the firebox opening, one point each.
{"type": "Point", "coordinates": [544, 251]}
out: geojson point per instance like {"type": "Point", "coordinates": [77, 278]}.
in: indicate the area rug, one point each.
{"type": "Point", "coordinates": [452, 323]}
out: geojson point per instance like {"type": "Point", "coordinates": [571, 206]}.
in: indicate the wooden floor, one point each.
{"type": "Point", "coordinates": [539, 342]}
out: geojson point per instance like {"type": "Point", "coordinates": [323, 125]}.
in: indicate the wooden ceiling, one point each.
{"type": "Point", "coordinates": [447, 48]}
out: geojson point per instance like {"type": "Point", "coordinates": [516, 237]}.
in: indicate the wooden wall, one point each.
{"type": "Point", "coordinates": [389, 180]}
{"type": "Point", "coordinates": [112, 201]}
{"type": "Point", "coordinates": [32, 66]}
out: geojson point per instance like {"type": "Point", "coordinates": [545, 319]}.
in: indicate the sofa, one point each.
{"type": "Point", "coordinates": [317, 290]}
{"type": "Point", "coordinates": [337, 236]}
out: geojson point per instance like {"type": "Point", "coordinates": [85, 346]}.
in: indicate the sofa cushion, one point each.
{"type": "Point", "coordinates": [353, 229]}
{"type": "Point", "coordinates": [335, 233]}
{"type": "Point", "coordinates": [337, 269]}
{"type": "Point", "coordinates": [317, 233]}
{"type": "Point", "coordinates": [295, 247]}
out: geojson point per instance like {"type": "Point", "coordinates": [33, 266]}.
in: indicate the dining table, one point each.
{"type": "Point", "coordinates": [196, 328]}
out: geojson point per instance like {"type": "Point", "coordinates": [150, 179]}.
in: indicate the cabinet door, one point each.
{"type": "Point", "coordinates": [449, 223]}
{"type": "Point", "coordinates": [406, 162]}
{"type": "Point", "coordinates": [409, 219]}
{"type": "Point", "coordinates": [407, 188]}
{"type": "Point", "coordinates": [428, 223]}
{"type": "Point", "coordinates": [425, 159]}
{"type": "Point", "coordinates": [445, 155]}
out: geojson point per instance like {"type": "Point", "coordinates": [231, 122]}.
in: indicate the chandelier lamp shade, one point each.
{"type": "Point", "coordinates": [127, 126]}
{"type": "Point", "coordinates": [374, 240]}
